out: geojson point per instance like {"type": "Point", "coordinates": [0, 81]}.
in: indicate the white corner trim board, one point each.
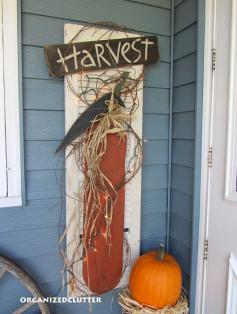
{"type": "Point", "coordinates": [10, 141]}
{"type": "Point", "coordinates": [207, 142]}
{"type": "Point", "coordinates": [231, 158]}
{"type": "Point", "coordinates": [73, 108]}
{"type": "Point", "coordinates": [231, 306]}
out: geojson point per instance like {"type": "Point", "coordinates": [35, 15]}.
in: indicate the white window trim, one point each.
{"type": "Point", "coordinates": [231, 158]}
{"type": "Point", "coordinates": [10, 107]}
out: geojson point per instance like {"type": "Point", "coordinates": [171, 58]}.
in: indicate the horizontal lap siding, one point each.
{"type": "Point", "coordinates": [156, 3]}
{"type": "Point", "coordinates": [30, 234]}
{"type": "Point", "coordinates": [132, 15]}
{"type": "Point", "coordinates": [56, 25]}
{"type": "Point", "coordinates": [184, 98]}
{"type": "Point", "coordinates": [177, 2]}
{"type": "Point", "coordinates": [38, 214]}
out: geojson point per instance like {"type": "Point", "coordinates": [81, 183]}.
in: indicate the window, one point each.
{"type": "Point", "coordinates": [231, 158]}
{"type": "Point", "coordinates": [10, 131]}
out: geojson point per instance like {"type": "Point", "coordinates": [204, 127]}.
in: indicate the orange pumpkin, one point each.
{"type": "Point", "coordinates": [156, 279]}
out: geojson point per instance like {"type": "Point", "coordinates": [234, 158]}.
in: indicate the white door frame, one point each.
{"type": "Point", "coordinates": [206, 160]}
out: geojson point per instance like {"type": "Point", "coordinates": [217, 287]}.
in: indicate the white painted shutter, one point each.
{"type": "Point", "coordinates": [73, 107]}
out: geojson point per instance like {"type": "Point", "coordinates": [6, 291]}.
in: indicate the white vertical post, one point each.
{"type": "Point", "coordinates": [3, 164]}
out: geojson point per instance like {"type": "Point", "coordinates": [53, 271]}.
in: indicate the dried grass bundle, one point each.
{"type": "Point", "coordinates": [131, 306]}
{"type": "Point", "coordinates": [90, 151]}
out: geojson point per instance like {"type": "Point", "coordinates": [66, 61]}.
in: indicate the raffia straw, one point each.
{"type": "Point", "coordinates": [131, 306]}
{"type": "Point", "coordinates": [115, 121]}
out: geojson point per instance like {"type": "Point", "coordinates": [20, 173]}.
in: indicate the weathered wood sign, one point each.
{"type": "Point", "coordinates": [97, 55]}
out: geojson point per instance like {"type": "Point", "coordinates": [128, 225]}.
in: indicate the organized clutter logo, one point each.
{"type": "Point", "coordinates": [61, 300]}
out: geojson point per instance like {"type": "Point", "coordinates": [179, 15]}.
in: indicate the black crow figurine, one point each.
{"type": "Point", "coordinates": [84, 121]}
{"type": "Point", "coordinates": [98, 107]}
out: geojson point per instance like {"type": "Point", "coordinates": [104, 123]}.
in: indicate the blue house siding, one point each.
{"type": "Point", "coordinates": [30, 234]}
{"type": "Point", "coordinates": [183, 137]}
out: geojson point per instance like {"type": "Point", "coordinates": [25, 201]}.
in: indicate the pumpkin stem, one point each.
{"type": "Point", "coordinates": [161, 252]}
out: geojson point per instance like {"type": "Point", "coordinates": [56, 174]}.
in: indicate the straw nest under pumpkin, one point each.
{"type": "Point", "coordinates": [131, 306]}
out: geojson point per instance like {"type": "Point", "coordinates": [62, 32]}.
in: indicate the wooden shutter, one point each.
{"type": "Point", "coordinates": [73, 107]}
